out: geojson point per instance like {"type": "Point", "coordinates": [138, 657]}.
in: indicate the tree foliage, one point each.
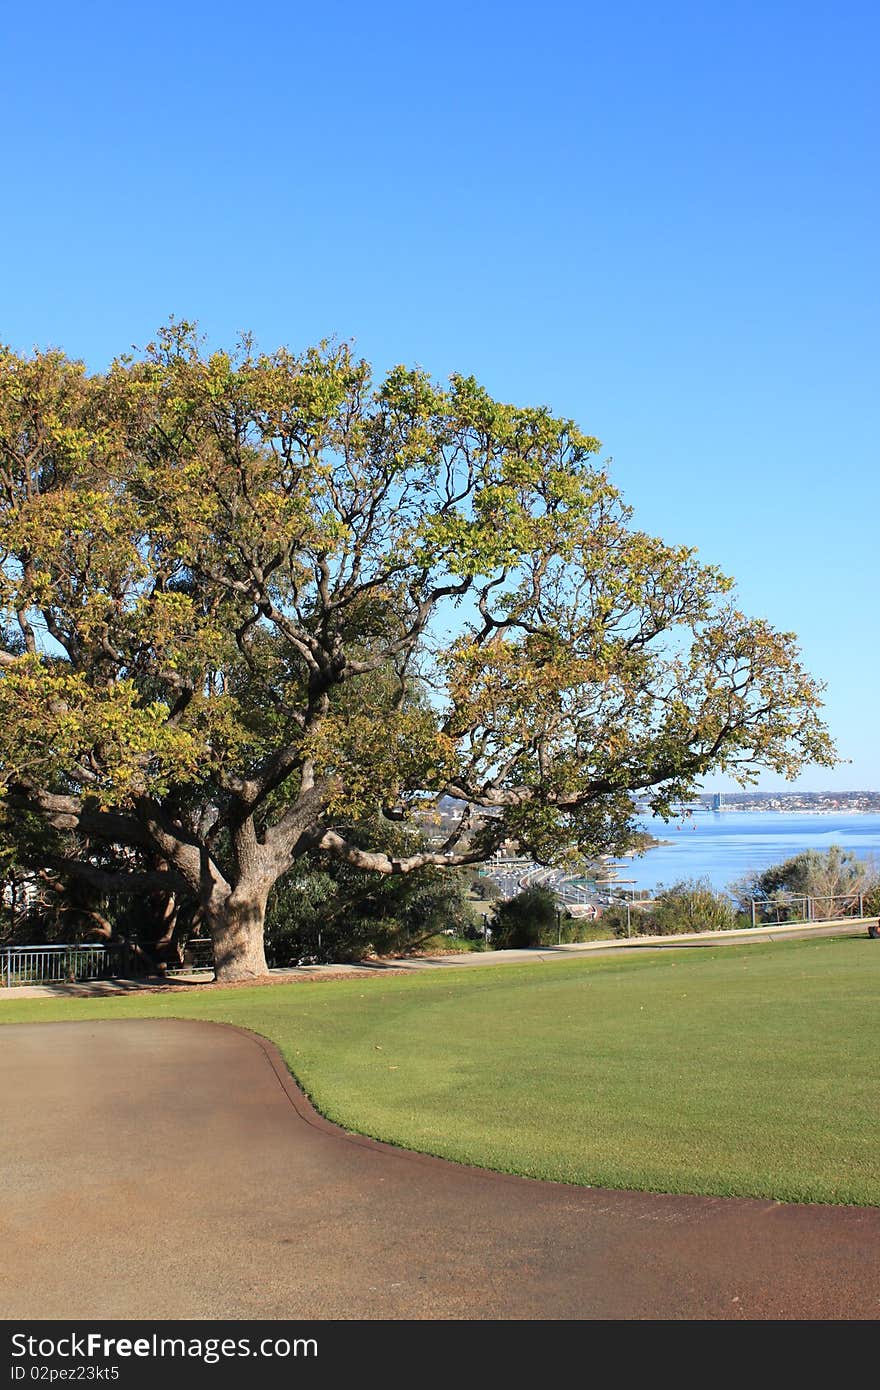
{"type": "Point", "coordinates": [253, 598]}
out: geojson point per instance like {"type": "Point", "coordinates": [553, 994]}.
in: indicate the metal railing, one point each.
{"type": "Point", "coordinates": [198, 953]}
{"type": "Point", "coordinates": [792, 909]}
{"type": "Point", "coordinates": [35, 965]}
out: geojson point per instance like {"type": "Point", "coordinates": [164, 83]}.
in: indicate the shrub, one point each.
{"type": "Point", "coordinates": [691, 905]}
{"type": "Point", "coordinates": [871, 901]}
{"type": "Point", "coordinates": [827, 874]}
{"type": "Point", "coordinates": [324, 910]}
{"type": "Point", "coordinates": [527, 920]}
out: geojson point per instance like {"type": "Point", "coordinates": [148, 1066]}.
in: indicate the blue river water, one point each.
{"type": "Point", "coordinates": [724, 845]}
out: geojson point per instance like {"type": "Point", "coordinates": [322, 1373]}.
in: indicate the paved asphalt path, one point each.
{"type": "Point", "coordinates": [162, 1168]}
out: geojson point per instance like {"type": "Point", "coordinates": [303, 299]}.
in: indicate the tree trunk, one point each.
{"type": "Point", "coordinates": [237, 932]}
{"type": "Point", "coordinates": [168, 946]}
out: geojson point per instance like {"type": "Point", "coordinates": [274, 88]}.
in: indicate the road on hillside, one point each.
{"type": "Point", "coordinates": [172, 1169]}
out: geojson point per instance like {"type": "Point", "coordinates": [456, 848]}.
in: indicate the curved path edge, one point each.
{"type": "Point", "coordinates": [171, 1168]}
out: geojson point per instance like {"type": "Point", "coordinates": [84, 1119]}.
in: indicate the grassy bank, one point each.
{"type": "Point", "coordinates": [725, 1070]}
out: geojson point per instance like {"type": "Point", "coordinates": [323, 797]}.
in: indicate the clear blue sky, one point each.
{"type": "Point", "coordinates": [661, 219]}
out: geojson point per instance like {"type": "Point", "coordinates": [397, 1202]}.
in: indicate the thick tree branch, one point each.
{"type": "Point", "coordinates": [122, 881]}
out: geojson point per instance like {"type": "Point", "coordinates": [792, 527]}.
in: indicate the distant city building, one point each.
{"type": "Point", "coordinates": [819, 803]}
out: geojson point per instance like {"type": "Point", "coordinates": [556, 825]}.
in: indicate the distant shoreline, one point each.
{"type": "Point", "coordinates": [726, 846]}
{"type": "Point", "coordinates": [788, 811]}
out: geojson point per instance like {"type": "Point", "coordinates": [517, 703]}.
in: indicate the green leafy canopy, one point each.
{"type": "Point", "coordinates": [250, 596]}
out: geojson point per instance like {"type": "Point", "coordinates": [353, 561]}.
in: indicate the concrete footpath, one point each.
{"type": "Point", "coordinates": [173, 1169]}
{"type": "Point", "coordinates": [408, 964]}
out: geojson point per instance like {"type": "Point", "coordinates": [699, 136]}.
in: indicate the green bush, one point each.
{"type": "Point", "coordinates": [443, 943]}
{"type": "Point", "coordinates": [871, 901]}
{"type": "Point", "coordinates": [325, 910]}
{"type": "Point", "coordinates": [691, 905]}
{"type": "Point", "coordinates": [528, 920]}
{"type": "Point", "coordinates": [823, 874]}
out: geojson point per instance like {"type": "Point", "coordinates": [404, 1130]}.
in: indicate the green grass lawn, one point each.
{"type": "Point", "coordinates": [724, 1070]}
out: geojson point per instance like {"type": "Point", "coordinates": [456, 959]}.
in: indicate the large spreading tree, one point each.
{"type": "Point", "coordinates": [253, 601]}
